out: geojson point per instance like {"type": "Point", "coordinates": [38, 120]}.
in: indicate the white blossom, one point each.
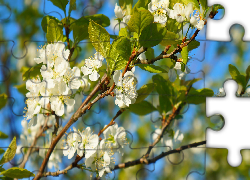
{"type": "Point", "coordinates": [118, 11]}
{"type": "Point", "coordinates": [172, 73]}
{"type": "Point", "coordinates": [181, 12]}
{"type": "Point", "coordinates": [89, 143]}
{"type": "Point", "coordinates": [92, 65]}
{"type": "Point", "coordinates": [72, 144]}
{"type": "Point", "coordinates": [115, 137]}
{"type": "Point", "coordinates": [159, 8]}
{"type": "Point", "coordinates": [125, 88]}
{"type": "Point", "coordinates": [221, 92]}
{"type": "Point", "coordinates": [101, 160]}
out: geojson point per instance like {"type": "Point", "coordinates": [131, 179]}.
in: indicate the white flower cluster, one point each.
{"type": "Point", "coordinates": [181, 13]}
{"type": "Point", "coordinates": [172, 73]}
{"type": "Point", "coordinates": [125, 88]}
{"type": "Point", "coordinates": [98, 154]}
{"type": "Point", "coordinates": [59, 81]}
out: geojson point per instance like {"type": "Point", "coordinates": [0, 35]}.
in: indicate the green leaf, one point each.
{"type": "Point", "coordinates": [119, 54]}
{"type": "Point", "coordinates": [152, 68]}
{"type": "Point", "coordinates": [29, 73]}
{"type": "Point", "coordinates": [126, 5]}
{"type": "Point", "coordinates": [193, 45]}
{"type": "Point", "coordinates": [124, 32]}
{"type": "Point", "coordinates": [139, 20]}
{"type": "Point", "coordinates": [99, 37]}
{"type": "Point", "coordinates": [3, 100]}
{"type": "Point", "coordinates": [10, 152]}
{"type": "Point", "coordinates": [45, 22]}
{"type": "Point", "coordinates": [235, 74]}
{"type": "Point", "coordinates": [247, 74]}
{"type": "Point", "coordinates": [2, 151]}
{"type": "Point", "coordinates": [61, 4]}
{"type": "Point", "coordinates": [152, 35]}
{"type": "Point", "coordinates": [191, 82]}
{"type": "Point", "coordinates": [142, 108]}
{"type": "Point", "coordinates": [150, 53]}
{"type": "Point", "coordinates": [54, 32]}
{"type": "Point", "coordinates": [100, 19]}
{"type": "Point", "coordinates": [72, 5]}
{"type": "Point", "coordinates": [166, 91]}
{"type": "Point", "coordinates": [184, 54]}
{"type": "Point", "coordinates": [170, 38]}
{"type": "Point", "coordinates": [144, 91]}
{"type": "Point", "coordinates": [203, 4]}
{"type": "Point", "coordinates": [3, 135]}
{"type": "Point", "coordinates": [16, 172]}
{"type": "Point", "coordinates": [22, 88]}
{"type": "Point", "coordinates": [141, 3]}
{"type": "Point", "coordinates": [198, 96]}
{"type": "Point", "coordinates": [80, 33]}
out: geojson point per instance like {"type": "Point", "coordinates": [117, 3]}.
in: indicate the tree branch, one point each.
{"type": "Point", "coordinates": [71, 166]}
{"type": "Point", "coordinates": [153, 160]}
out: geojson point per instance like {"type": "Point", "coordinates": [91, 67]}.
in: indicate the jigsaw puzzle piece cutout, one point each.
{"type": "Point", "coordinates": [221, 54]}
{"type": "Point", "coordinates": [218, 29]}
{"type": "Point", "coordinates": [227, 107]}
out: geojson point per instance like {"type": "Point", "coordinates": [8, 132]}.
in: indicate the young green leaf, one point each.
{"type": "Point", "coordinates": [45, 22]}
{"type": "Point", "coordinates": [198, 96]}
{"type": "Point", "coordinates": [61, 4]}
{"type": "Point", "coordinates": [3, 100]}
{"type": "Point", "coordinates": [247, 73]}
{"type": "Point", "coordinates": [142, 108]}
{"type": "Point", "coordinates": [22, 88]}
{"type": "Point", "coordinates": [99, 37]}
{"type": "Point", "coordinates": [80, 33]}
{"type": "Point", "coordinates": [100, 19]}
{"type": "Point", "coordinates": [152, 68]}
{"type": "Point", "coordinates": [54, 32]}
{"type": "Point", "coordinates": [29, 73]}
{"type": "Point", "coordinates": [119, 53]}
{"type": "Point", "coordinates": [166, 91]}
{"type": "Point", "coordinates": [144, 91]}
{"type": "Point", "coordinates": [124, 32]}
{"type": "Point", "coordinates": [10, 152]}
{"type": "Point", "coordinates": [16, 172]}
{"type": "Point", "coordinates": [203, 4]}
{"type": "Point", "coordinates": [139, 20]}
{"type": "Point", "coordinates": [150, 53]}
{"type": "Point", "coordinates": [235, 74]}
{"type": "Point", "coordinates": [170, 38]}
{"type": "Point", "coordinates": [141, 4]}
{"type": "Point", "coordinates": [72, 5]}
{"type": "Point", "coordinates": [1, 152]}
{"type": "Point", "coordinates": [3, 135]}
{"type": "Point", "coordinates": [184, 54]}
{"type": "Point", "coordinates": [152, 35]}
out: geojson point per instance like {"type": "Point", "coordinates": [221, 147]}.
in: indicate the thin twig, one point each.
{"type": "Point", "coordinates": [153, 160]}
